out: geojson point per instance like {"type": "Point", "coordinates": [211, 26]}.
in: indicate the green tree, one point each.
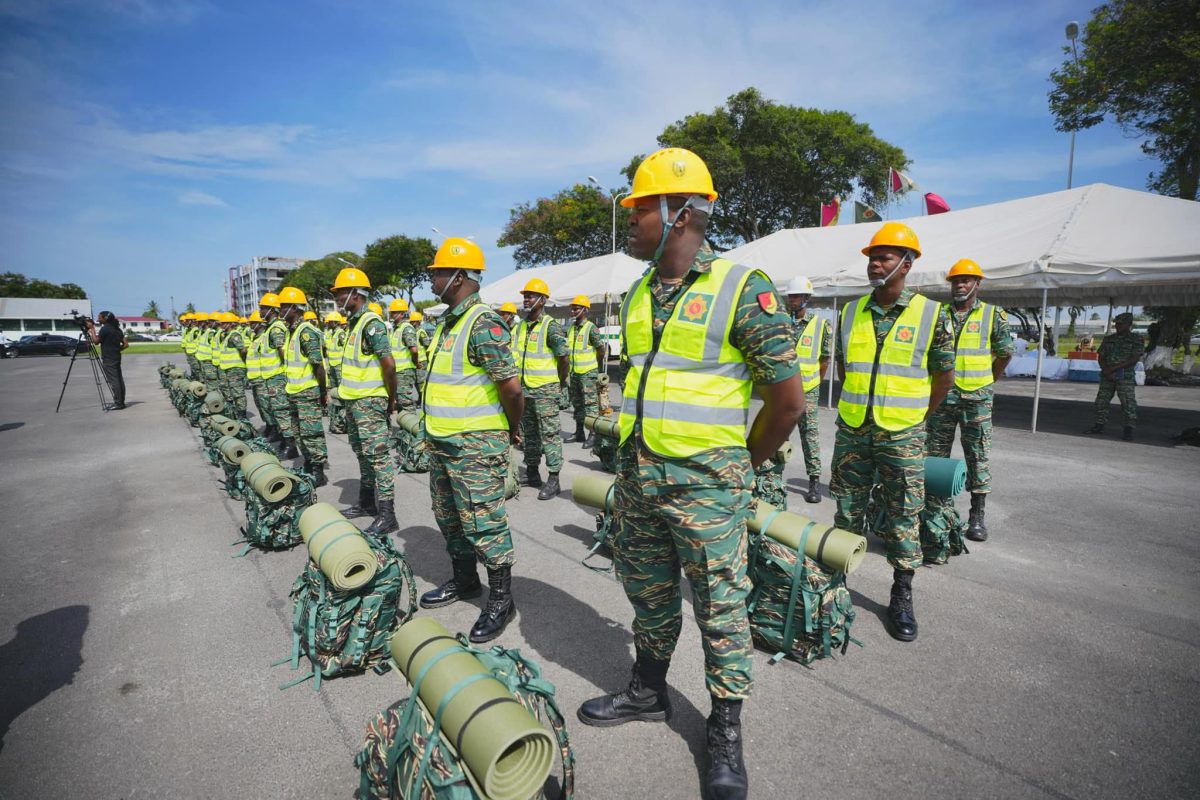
{"type": "Point", "coordinates": [572, 225]}
{"type": "Point", "coordinates": [14, 284]}
{"type": "Point", "coordinates": [316, 276]}
{"type": "Point", "coordinates": [1073, 312]}
{"type": "Point", "coordinates": [1176, 324]}
{"type": "Point", "coordinates": [151, 310]}
{"type": "Point", "coordinates": [399, 263]}
{"type": "Point", "coordinates": [1140, 64]}
{"type": "Point", "coordinates": [190, 308]}
{"type": "Point", "coordinates": [773, 165]}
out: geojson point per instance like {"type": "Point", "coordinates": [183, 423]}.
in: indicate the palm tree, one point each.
{"type": "Point", "coordinates": [151, 310]}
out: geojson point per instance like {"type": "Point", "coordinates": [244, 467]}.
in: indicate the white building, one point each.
{"type": "Point", "coordinates": [21, 316]}
{"type": "Point", "coordinates": [142, 324]}
{"type": "Point", "coordinates": [249, 282]}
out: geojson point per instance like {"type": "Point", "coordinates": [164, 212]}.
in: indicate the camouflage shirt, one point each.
{"type": "Point", "coordinates": [1002, 347]}
{"type": "Point", "coordinates": [310, 344]}
{"type": "Point", "coordinates": [277, 336]}
{"type": "Point", "coordinates": [768, 344]}
{"type": "Point", "coordinates": [826, 334]}
{"type": "Point", "coordinates": [1118, 348]}
{"type": "Point", "coordinates": [234, 341]}
{"type": "Point", "coordinates": [593, 336]}
{"type": "Point", "coordinates": [375, 336]}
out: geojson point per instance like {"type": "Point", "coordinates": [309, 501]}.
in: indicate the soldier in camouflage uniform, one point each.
{"type": "Point", "coordinates": [897, 362]}
{"type": "Point", "coordinates": [813, 341]}
{"type": "Point", "coordinates": [1119, 354]}
{"type": "Point", "coordinates": [272, 357]}
{"type": "Point", "coordinates": [979, 364]}
{"type": "Point", "coordinates": [407, 353]}
{"type": "Point", "coordinates": [473, 405]}
{"type": "Point", "coordinates": [700, 332]}
{"type": "Point", "coordinates": [306, 391]}
{"type": "Point", "coordinates": [418, 322]}
{"type": "Point", "coordinates": [541, 350]}
{"type": "Point", "coordinates": [508, 315]}
{"type": "Point", "coordinates": [233, 368]}
{"type": "Point", "coordinates": [208, 367]}
{"type": "Point", "coordinates": [254, 376]}
{"type": "Point", "coordinates": [335, 341]}
{"type": "Point", "coordinates": [587, 359]}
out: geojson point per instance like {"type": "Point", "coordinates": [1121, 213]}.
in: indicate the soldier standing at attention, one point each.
{"type": "Point", "coordinates": [701, 332]}
{"type": "Point", "coordinates": [306, 390]}
{"type": "Point", "coordinates": [272, 357]}
{"type": "Point", "coordinates": [508, 314]}
{"type": "Point", "coordinates": [233, 365]}
{"type": "Point", "coordinates": [406, 350]}
{"type": "Point", "coordinates": [813, 342]}
{"type": "Point", "coordinates": [896, 362]}
{"type": "Point", "coordinates": [207, 351]}
{"type": "Point", "coordinates": [541, 350]}
{"type": "Point", "coordinates": [335, 340]}
{"type": "Point", "coordinates": [1119, 353]}
{"type": "Point", "coordinates": [369, 391]}
{"type": "Point", "coordinates": [254, 375]}
{"type": "Point", "coordinates": [983, 347]}
{"type": "Point", "coordinates": [186, 344]}
{"type": "Point", "coordinates": [417, 320]}
{"type": "Point", "coordinates": [473, 405]}
{"type": "Point", "coordinates": [587, 354]}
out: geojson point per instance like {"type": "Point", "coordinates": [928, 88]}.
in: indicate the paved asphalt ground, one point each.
{"type": "Point", "coordinates": [1059, 659]}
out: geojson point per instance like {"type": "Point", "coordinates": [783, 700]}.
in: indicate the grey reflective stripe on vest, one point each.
{"type": "Point", "coordinates": [359, 359]}
{"type": "Point", "coordinates": [459, 412]}
{"type": "Point", "coordinates": [985, 337]}
{"type": "Point", "coordinates": [683, 412]}
{"type": "Point", "coordinates": [679, 364]}
{"type": "Point", "coordinates": [543, 323]}
{"type": "Point", "coordinates": [924, 336]}
{"type": "Point", "coordinates": [457, 354]}
{"type": "Point", "coordinates": [886, 401]}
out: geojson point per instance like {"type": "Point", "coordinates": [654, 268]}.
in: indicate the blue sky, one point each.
{"type": "Point", "coordinates": [145, 147]}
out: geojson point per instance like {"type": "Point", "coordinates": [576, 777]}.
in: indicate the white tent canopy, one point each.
{"type": "Point", "coordinates": [1091, 245]}
{"type": "Point", "coordinates": [597, 277]}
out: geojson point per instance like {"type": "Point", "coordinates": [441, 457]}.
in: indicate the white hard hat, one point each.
{"type": "Point", "coordinates": [799, 285]}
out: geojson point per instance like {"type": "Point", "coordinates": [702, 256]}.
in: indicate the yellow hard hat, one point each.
{"type": "Point", "coordinates": [582, 300]}
{"type": "Point", "coordinates": [292, 296]}
{"type": "Point", "coordinates": [310, 315]}
{"type": "Point", "coordinates": [416, 316]}
{"type": "Point", "coordinates": [229, 316]}
{"type": "Point", "coordinates": [399, 304]}
{"type": "Point", "coordinates": [351, 278]}
{"type": "Point", "coordinates": [457, 253]}
{"type": "Point", "coordinates": [536, 286]}
{"type": "Point", "coordinates": [965, 266]}
{"type": "Point", "coordinates": [894, 234]}
{"type": "Point", "coordinates": [671, 171]}
{"type": "Point", "coordinates": [255, 317]}
{"type": "Point", "coordinates": [200, 316]}
{"type": "Point", "coordinates": [243, 320]}
{"type": "Point", "coordinates": [184, 317]}
{"type": "Point", "coordinates": [270, 299]}
{"type": "Point", "coordinates": [511, 308]}
{"type": "Point", "coordinates": [375, 308]}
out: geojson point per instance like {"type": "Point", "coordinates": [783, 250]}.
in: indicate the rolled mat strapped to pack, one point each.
{"type": "Point", "coordinates": [224, 425]}
{"type": "Point", "coordinates": [945, 477]}
{"type": "Point", "coordinates": [197, 389]}
{"type": "Point", "coordinates": [175, 373]}
{"type": "Point", "coordinates": [603, 426]}
{"type": "Point", "coordinates": [409, 421]}
{"type": "Point", "coordinates": [338, 547]}
{"type": "Point", "coordinates": [232, 449]}
{"type": "Point", "coordinates": [267, 477]}
{"type": "Point", "coordinates": [504, 748]}
{"type": "Point", "coordinates": [214, 403]}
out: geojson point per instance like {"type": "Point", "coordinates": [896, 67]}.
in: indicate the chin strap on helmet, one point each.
{"type": "Point", "coordinates": [442, 295]}
{"type": "Point", "coordinates": [696, 201]}
{"type": "Point", "coordinates": [877, 282]}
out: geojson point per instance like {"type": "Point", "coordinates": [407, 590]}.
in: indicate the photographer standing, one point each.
{"type": "Point", "coordinates": [112, 341]}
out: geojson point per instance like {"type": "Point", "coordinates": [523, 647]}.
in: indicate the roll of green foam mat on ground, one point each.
{"type": "Point", "coordinates": [179, 384]}
{"type": "Point", "coordinates": [176, 372]}
{"type": "Point", "coordinates": [603, 426]}
{"type": "Point", "coordinates": [214, 403]}
{"type": "Point", "coordinates": [338, 547]}
{"type": "Point", "coordinates": [504, 748]}
{"type": "Point", "coordinates": [835, 548]}
{"type": "Point", "coordinates": [197, 388]}
{"type": "Point", "coordinates": [224, 425]}
{"type": "Point", "coordinates": [945, 477]}
{"type": "Point", "coordinates": [409, 421]}
{"type": "Point", "coordinates": [232, 449]}
{"type": "Point", "coordinates": [266, 477]}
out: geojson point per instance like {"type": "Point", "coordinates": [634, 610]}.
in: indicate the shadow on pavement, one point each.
{"type": "Point", "coordinates": [11, 426]}
{"type": "Point", "coordinates": [1156, 425]}
{"type": "Point", "coordinates": [43, 657]}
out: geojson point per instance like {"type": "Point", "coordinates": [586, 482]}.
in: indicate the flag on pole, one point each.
{"type": "Point", "coordinates": [934, 204]}
{"type": "Point", "coordinates": [864, 213]}
{"type": "Point", "coordinates": [900, 181]}
{"type": "Point", "coordinates": [831, 212]}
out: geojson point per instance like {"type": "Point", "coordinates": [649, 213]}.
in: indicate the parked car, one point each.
{"type": "Point", "coordinates": [46, 344]}
{"type": "Point", "coordinates": [138, 337]}
{"type": "Point", "coordinates": [171, 337]}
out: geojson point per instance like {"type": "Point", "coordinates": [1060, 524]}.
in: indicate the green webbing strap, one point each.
{"type": "Point", "coordinates": [331, 541]}
{"type": "Point", "coordinates": [436, 734]}
{"type": "Point", "coordinates": [797, 574]}
{"type": "Point", "coordinates": [755, 545]}
{"type": "Point", "coordinates": [600, 540]}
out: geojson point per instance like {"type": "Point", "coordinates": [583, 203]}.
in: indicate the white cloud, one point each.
{"type": "Point", "coordinates": [198, 198]}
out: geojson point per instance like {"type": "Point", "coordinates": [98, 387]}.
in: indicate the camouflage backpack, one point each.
{"type": "Point", "coordinates": [343, 632]}
{"type": "Point", "coordinates": [768, 483]}
{"type": "Point", "coordinates": [412, 454]}
{"type": "Point", "coordinates": [404, 756]}
{"type": "Point", "coordinates": [337, 417]}
{"type": "Point", "coordinates": [941, 530]}
{"type": "Point", "coordinates": [275, 526]}
{"type": "Point", "coordinates": [798, 608]}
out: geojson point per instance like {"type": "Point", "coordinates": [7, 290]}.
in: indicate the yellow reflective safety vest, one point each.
{"type": "Point", "coordinates": [361, 374]}
{"type": "Point", "coordinates": [230, 357]}
{"type": "Point", "coordinates": [973, 349]}
{"type": "Point", "coordinates": [893, 379]}
{"type": "Point", "coordinates": [808, 352]}
{"type": "Point", "coordinates": [401, 354]}
{"type": "Point", "coordinates": [253, 358]}
{"type": "Point", "coordinates": [299, 371]}
{"type": "Point", "coordinates": [203, 350]}
{"type": "Point", "coordinates": [535, 360]}
{"type": "Point", "coordinates": [333, 351]}
{"type": "Point", "coordinates": [216, 344]}
{"type": "Point", "coordinates": [185, 341]}
{"type": "Point", "coordinates": [269, 362]}
{"type": "Point", "coordinates": [583, 355]}
{"type": "Point", "coordinates": [459, 396]}
{"type": "Point", "coordinates": [693, 386]}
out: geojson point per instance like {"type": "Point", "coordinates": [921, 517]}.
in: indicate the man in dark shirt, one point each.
{"type": "Point", "coordinates": [112, 341]}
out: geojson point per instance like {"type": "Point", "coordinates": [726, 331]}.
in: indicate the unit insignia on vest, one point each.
{"type": "Point", "coordinates": [973, 326]}
{"type": "Point", "coordinates": [806, 341]}
{"type": "Point", "coordinates": [695, 307]}
{"type": "Point", "coordinates": [905, 333]}
{"type": "Point", "coordinates": [448, 342]}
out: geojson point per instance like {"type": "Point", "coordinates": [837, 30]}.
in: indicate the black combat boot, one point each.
{"type": "Point", "coordinates": [551, 489]}
{"type": "Point", "coordinates": [532, 478]}
{"type": "Point", "coordinates": [287, 449]}
{"type": "Point", "coordinates": [385, 521]}
{"type": "Point", "coordinates": [579, 434]}
{"type": "Point", "coordinates": [813, 495]}
{"type": "Point", "coordinates": [591, 440]}
{"type": "Point", "coordinates": [901, 621]}
{"type": "Point", "coordinates": [726, 769]}
{"type": "Point", "coordinates": [1097, 428]}
{"type": "Point", "coordinates": [645, 698]}
{"type": "Point", "coordinates": [266, 432]}
{"type": "Point", "coordinates": [365, 506]}
{"type": "Point", "coordinates": [976, 529]}
{"type": "Point", "coordinates": [463, 586]}
{"type": "Point", "coordinates": [500, 607]}
{"type": "Point", "coordinates": [1127, 434]}
{"type": "Point", "coordinates": [318, 473]}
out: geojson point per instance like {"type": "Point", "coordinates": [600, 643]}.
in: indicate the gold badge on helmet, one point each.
{"type": "Point", "coordinates": [679, 167]}
{"type": "Point", "coordinates": [457, 250]}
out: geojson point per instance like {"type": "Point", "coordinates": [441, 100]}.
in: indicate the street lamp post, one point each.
{"type": "Point", "coordinates": [1072, 35]}
{"type": "Point", "coordinates": [615, 198]}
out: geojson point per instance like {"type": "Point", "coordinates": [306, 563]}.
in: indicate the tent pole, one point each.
{"type": "Point", "coordinates": [1037, 380]}
{"type": "Point", "coordinates": [1108, 325]}
{"type": "Point", "coordinates": [833, 343]}
{"type": "Point", "coordinates": [1055, 331]}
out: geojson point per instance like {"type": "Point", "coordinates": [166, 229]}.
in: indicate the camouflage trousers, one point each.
{"type": "Point", "coordinates": [541, 427]}
{"type": "Point", "coordinates": [702, 529]}
{"type": "Point", "coordinates": [810, 432]}
{"type": "Point", "coordinates": [275, 391]}
{"type": "Point", "coordinates": [305, 410]}
{"type": "Point", "coordinates": [1125, 393]}
{"type": "Point", "coordinates": [768, 484]}
{"type": "Point", "coordinates": [466, 484]}
{"type": "Point", "coordinates": [406, 400]}
{"type": "Point", "coordinates": [259, 391]}
{"type": "Point", "coordinates": [193, 367]}
{"type": "Point", "coordinates": [337, 408]}
{"type": "Point", "coordinates": [897, 459]}
{"type": "Point", "coordinates": [233, 387]}
{"type": "Point", "coordinates": [584, 399]}
{"type": "Point", "coordinates": [975, 417]}
{"type": "Point", "coordinates": [367, 429]}
{"type": "Point", "coordinates": [212, 375]}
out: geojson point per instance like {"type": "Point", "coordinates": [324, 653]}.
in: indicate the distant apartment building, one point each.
{"type": "Point", "coordinates": [249, 282]}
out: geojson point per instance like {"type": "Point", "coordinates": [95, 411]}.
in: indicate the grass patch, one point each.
{"type": "Point", "coordinates": [141, 348]}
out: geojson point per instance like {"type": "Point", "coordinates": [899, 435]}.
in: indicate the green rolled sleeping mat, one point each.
{"type": "Point", "coordinates": [179, 384]}
{"type": "Point", "coordinates": [591, 490]}
{"type": "Point", "coordinates": [197, 389]}
{"type": "Point", "coordinates": [784, 453]}
{"type": "Point", "coordinates": [507, 753]}
{"type": "Point", "coordinates": [337, 547]}
{"type": "Point", "coordinates": [409, 421]}
{"type": "Point", "coordinates": [223, 425]}
{"type": "Point", "coordinates": [267, 477]}
{"type": "Point", "coordinates": [232, 449]}
{"type": "Point", "coordinates": [214, 403]}
{"type": "Point", "coordinates": [945, 477]}
{"type": "Point", "coordinates": [603, 426]}
{"type": "Point", "coordinates": [175, 373]}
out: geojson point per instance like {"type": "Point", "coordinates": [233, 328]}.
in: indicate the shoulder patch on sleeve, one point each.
{"type": "Point", "coordinates": [767, 302]}
{"type": "Point", "coordinates": [497, 332]}
{"type": "Point", "coordinates": [1002, 313]}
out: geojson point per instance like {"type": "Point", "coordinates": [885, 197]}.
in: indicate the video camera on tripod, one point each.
{"type": "Point", "coordinates": [82, 320]}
